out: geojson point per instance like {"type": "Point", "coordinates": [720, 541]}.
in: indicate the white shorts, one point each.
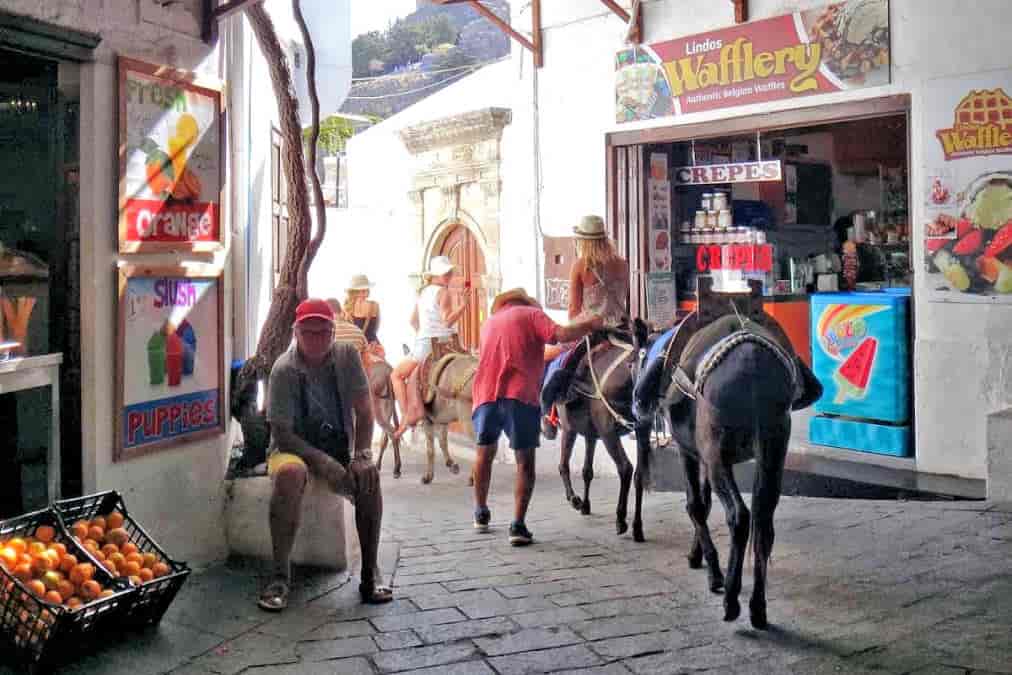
{"type": "Point", "coordinates": [422, 348]}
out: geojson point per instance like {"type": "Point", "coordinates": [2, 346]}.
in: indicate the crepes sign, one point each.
{"type": "Point", "coordinates": [836, 47]}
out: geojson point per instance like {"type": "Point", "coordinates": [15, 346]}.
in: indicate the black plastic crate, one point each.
{"type": "Point", "coordinates": [40, 634]}
{"type": "Point", "coordinates": [153, 597]}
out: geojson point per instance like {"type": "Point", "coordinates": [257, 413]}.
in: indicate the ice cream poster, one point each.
{"type": "Point", "coordinates": [860, 360]}
{"type": "Point", "coordinates": [170, 359]}
{"type": "Point", "coordinates": [170, 160]}
{"type": "Point", "coordinates": [967, 188]}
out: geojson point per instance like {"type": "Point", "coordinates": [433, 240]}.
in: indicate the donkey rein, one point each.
{"type": "Point", "coordinates": [597, 384]}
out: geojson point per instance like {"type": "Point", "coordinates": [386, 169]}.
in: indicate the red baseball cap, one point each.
{"type": "Point", "coordinates": [313, 308]}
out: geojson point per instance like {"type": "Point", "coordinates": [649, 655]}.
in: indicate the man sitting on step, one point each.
{"type": "Point", "coordinates": [318, 408]}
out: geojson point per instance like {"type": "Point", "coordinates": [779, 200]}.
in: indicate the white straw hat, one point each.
{"type": "Point", "coordinates": [439, 266]}
{"type": "Point", "coordinates": [360, 282]}
{"type": "Point", "coordinates": [590, 227]}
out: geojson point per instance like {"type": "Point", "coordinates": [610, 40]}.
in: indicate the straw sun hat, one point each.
{"type": "Point", "coordinates": [360, 282]}
{"type": "Point", "coordinates": [439, 266]}
{"type": "Point", "coordinates": [513, 295]}
{"type": "Point", "coordinates": [590, 227]}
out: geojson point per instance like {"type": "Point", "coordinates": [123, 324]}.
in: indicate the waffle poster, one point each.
{"type": "Point", "coordinates": [967, 188]}
{"type": "Point", "coordinates": [170, 160]}
{"type": "Point", "coordinates": [836, 47]}
{"type": "Point", "coordinates": [171, 381]}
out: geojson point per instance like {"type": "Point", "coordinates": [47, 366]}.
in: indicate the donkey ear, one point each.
{"type": "Point", "coordinates": [640, 332]}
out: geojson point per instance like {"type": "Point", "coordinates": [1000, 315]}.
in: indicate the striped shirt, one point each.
{"type": "Point", "coordinates": [345, 331]}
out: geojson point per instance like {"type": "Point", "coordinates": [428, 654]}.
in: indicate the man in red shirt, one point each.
{"type": "Point", "coordinates": [506, 396]}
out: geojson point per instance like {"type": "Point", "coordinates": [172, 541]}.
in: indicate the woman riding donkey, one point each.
{"type": "Point", "coordinates": [598, 285]}
{"type": "Point", "coordinates": [433, 317]}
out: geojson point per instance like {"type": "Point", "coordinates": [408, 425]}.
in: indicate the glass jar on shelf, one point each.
{"type": "Point", "coordinates": [700, 220]}
{"type": "Point", "coordinates": [719, 201]}
{"type": "Point", "coordinates": [724, 219]}
{"type": "Point", "coordinates": [707, 202]}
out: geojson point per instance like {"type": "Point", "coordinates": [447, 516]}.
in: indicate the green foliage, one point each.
{"type": "Point", "coordinates": [403, 43]}
{"type": "Point", "coordinates": [334, 133]}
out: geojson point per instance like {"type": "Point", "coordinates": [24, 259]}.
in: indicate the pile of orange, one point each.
{"type": "Point", "coordinates": [105, 538]}
{"type": "Point", "coordinates": [49, 572]}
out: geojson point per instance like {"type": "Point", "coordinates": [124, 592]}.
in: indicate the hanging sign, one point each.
{"type": "Point", "coordinates": [836, 47]}
{"type": "Point", "coordinates": [742, 172]}
{"type": "Point", "coordinates": [170, 361]}
{"type": "Point", "coordinates": [170, 160]}
{"type": "Point", "coordinates": [968, 188]}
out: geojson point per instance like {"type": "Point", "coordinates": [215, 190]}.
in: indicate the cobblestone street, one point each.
{"type": "Point", "coordinates": [856, 587]}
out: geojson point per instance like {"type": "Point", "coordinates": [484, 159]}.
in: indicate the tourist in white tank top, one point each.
{"type": "Point", "coordinates": [434, 317]}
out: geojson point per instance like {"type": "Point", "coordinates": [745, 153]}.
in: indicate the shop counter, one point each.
{"type": "Point", "coordinates": [30, 372]}
{"type": "Point", "coordinates": [791, 312]}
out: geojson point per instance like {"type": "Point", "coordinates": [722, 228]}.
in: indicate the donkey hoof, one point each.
{"type": "Point", "coordinates": [585, 508]}
{"type": "Point", "coordinates": [638, 533]}
{"type": "Point", "coordinates": [397, 473]}
{"type": "Point", "coordinates": [621, 527]}
{"type": "Point", "coordinates": [576, 502]}
{"type": "Point", "coordinates": [758, 618]}
{"type": "Point", "coordinates": [426, 479]}
{"type": "Point", "coordinates": [454, 468]}
{"type": "Point", "coordinates": [732, 609]}
{"type": "Point", "coordinates": [695, 561]}
{"type": "Point", "coordinates": [716, 583]}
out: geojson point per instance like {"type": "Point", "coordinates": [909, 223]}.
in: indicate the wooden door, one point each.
{"type": "Point", "coordinates": [462, 248]}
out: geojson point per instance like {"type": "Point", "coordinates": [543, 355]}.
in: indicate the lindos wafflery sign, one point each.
{"type": "Point", "coordinates": [836, 47]}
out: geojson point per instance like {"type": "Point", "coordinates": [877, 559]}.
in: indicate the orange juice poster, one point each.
{"type": "Point", "coordinates": [170, 160]}
{"type": "Point", "coordinates": [967, 190]}
{"type": "Point", "coordinates": [170, 355]}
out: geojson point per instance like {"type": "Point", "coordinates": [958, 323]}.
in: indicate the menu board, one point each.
{"type": "Point", "coordinates": [170, 161]}
{"type": "Point", "coordinates": [836, 47]}
{"type": "Point", "coordinates": [967, 191]}
{"type": "Point", "coordinates": [170, 358]}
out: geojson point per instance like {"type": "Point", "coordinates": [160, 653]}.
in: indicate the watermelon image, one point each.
{"type": "Point", "coordinates": [852, 376]}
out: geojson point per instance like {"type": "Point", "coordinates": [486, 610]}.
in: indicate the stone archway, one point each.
{"type": "Point", "coordinates": [456, 193]}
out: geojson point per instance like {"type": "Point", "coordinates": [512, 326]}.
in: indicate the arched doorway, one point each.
{"type": "Point", "coordinates": [460, 246]}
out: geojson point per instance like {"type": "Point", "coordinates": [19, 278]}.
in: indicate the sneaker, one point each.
{"type": "Point", "coordinates": [548, 430]}
{"type": "Point", "coordinates": [520, 535]}
{"type": "Point", "coordinates": [482, 517]}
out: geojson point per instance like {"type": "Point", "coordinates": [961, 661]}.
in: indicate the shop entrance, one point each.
{"type": "Point", "coordinates": [812, 203]}
{"type": "Point", "coordinates": [460, 246]}
{"type": "Point", "coordinates": [39, 272]}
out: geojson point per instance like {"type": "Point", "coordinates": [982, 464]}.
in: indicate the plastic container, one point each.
{"type": "Point", "coordinates": [40, 635]}
{"type": "Point", "coordinates": [152, 597]}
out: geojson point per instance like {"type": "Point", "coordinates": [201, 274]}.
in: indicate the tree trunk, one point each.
{"type": "Point", "coordinates": [301, 248]}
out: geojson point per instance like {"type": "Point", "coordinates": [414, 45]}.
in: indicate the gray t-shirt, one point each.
{"type": "Point", "coordinates": [328, 396]}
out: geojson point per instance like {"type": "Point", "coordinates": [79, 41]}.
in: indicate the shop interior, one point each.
{"type": "Point", "coordinates": [39, 278]}
{"type": "Point", "coordinates": [827, 232]}
{"type": "Point", "coordinates": [835, 177]}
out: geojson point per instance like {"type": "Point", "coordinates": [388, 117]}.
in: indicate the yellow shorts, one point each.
{"type": "Point", "coordinates": [280, 459]}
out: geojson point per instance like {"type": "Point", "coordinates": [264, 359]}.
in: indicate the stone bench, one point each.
{"type": "Point", "coordinates": [327, 537]}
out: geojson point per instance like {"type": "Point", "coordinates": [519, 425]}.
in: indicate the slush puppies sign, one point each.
{"type": "Point", "coordinates": [170, 358]}
{"type": "Point", "coordinates": [170, 160]}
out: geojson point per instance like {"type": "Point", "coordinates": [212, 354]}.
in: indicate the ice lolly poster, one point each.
{"type": "Point", "coordinates": [171, 359]}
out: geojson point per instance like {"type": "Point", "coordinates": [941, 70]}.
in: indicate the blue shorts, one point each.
{"type": "Point", "coordinates": [521, 422]}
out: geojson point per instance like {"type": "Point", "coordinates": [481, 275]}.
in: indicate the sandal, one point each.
{"type": "Point", "coordinates": [274, 598]}
{"type": "Point", "coordinates": [375, 595]}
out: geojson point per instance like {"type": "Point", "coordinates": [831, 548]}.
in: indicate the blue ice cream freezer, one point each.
{"type": "Point", "coordinates": [861, 355]}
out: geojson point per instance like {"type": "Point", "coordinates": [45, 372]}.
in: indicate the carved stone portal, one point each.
{"type": "Point", "coordinates": [458, 181]}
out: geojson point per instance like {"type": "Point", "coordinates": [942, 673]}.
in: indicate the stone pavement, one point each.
{"type": "Point", "coordinates": [855, 587]}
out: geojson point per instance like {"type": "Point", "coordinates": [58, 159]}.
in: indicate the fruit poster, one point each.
{"type": "Point", "coordinates": [967, 191]}
{"type": "Point", "coordinates": [170, 358]}
{"type": "Point", "coordinates": [836, 47]}
{"type": "Point", "coordinates": [170, 160]}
